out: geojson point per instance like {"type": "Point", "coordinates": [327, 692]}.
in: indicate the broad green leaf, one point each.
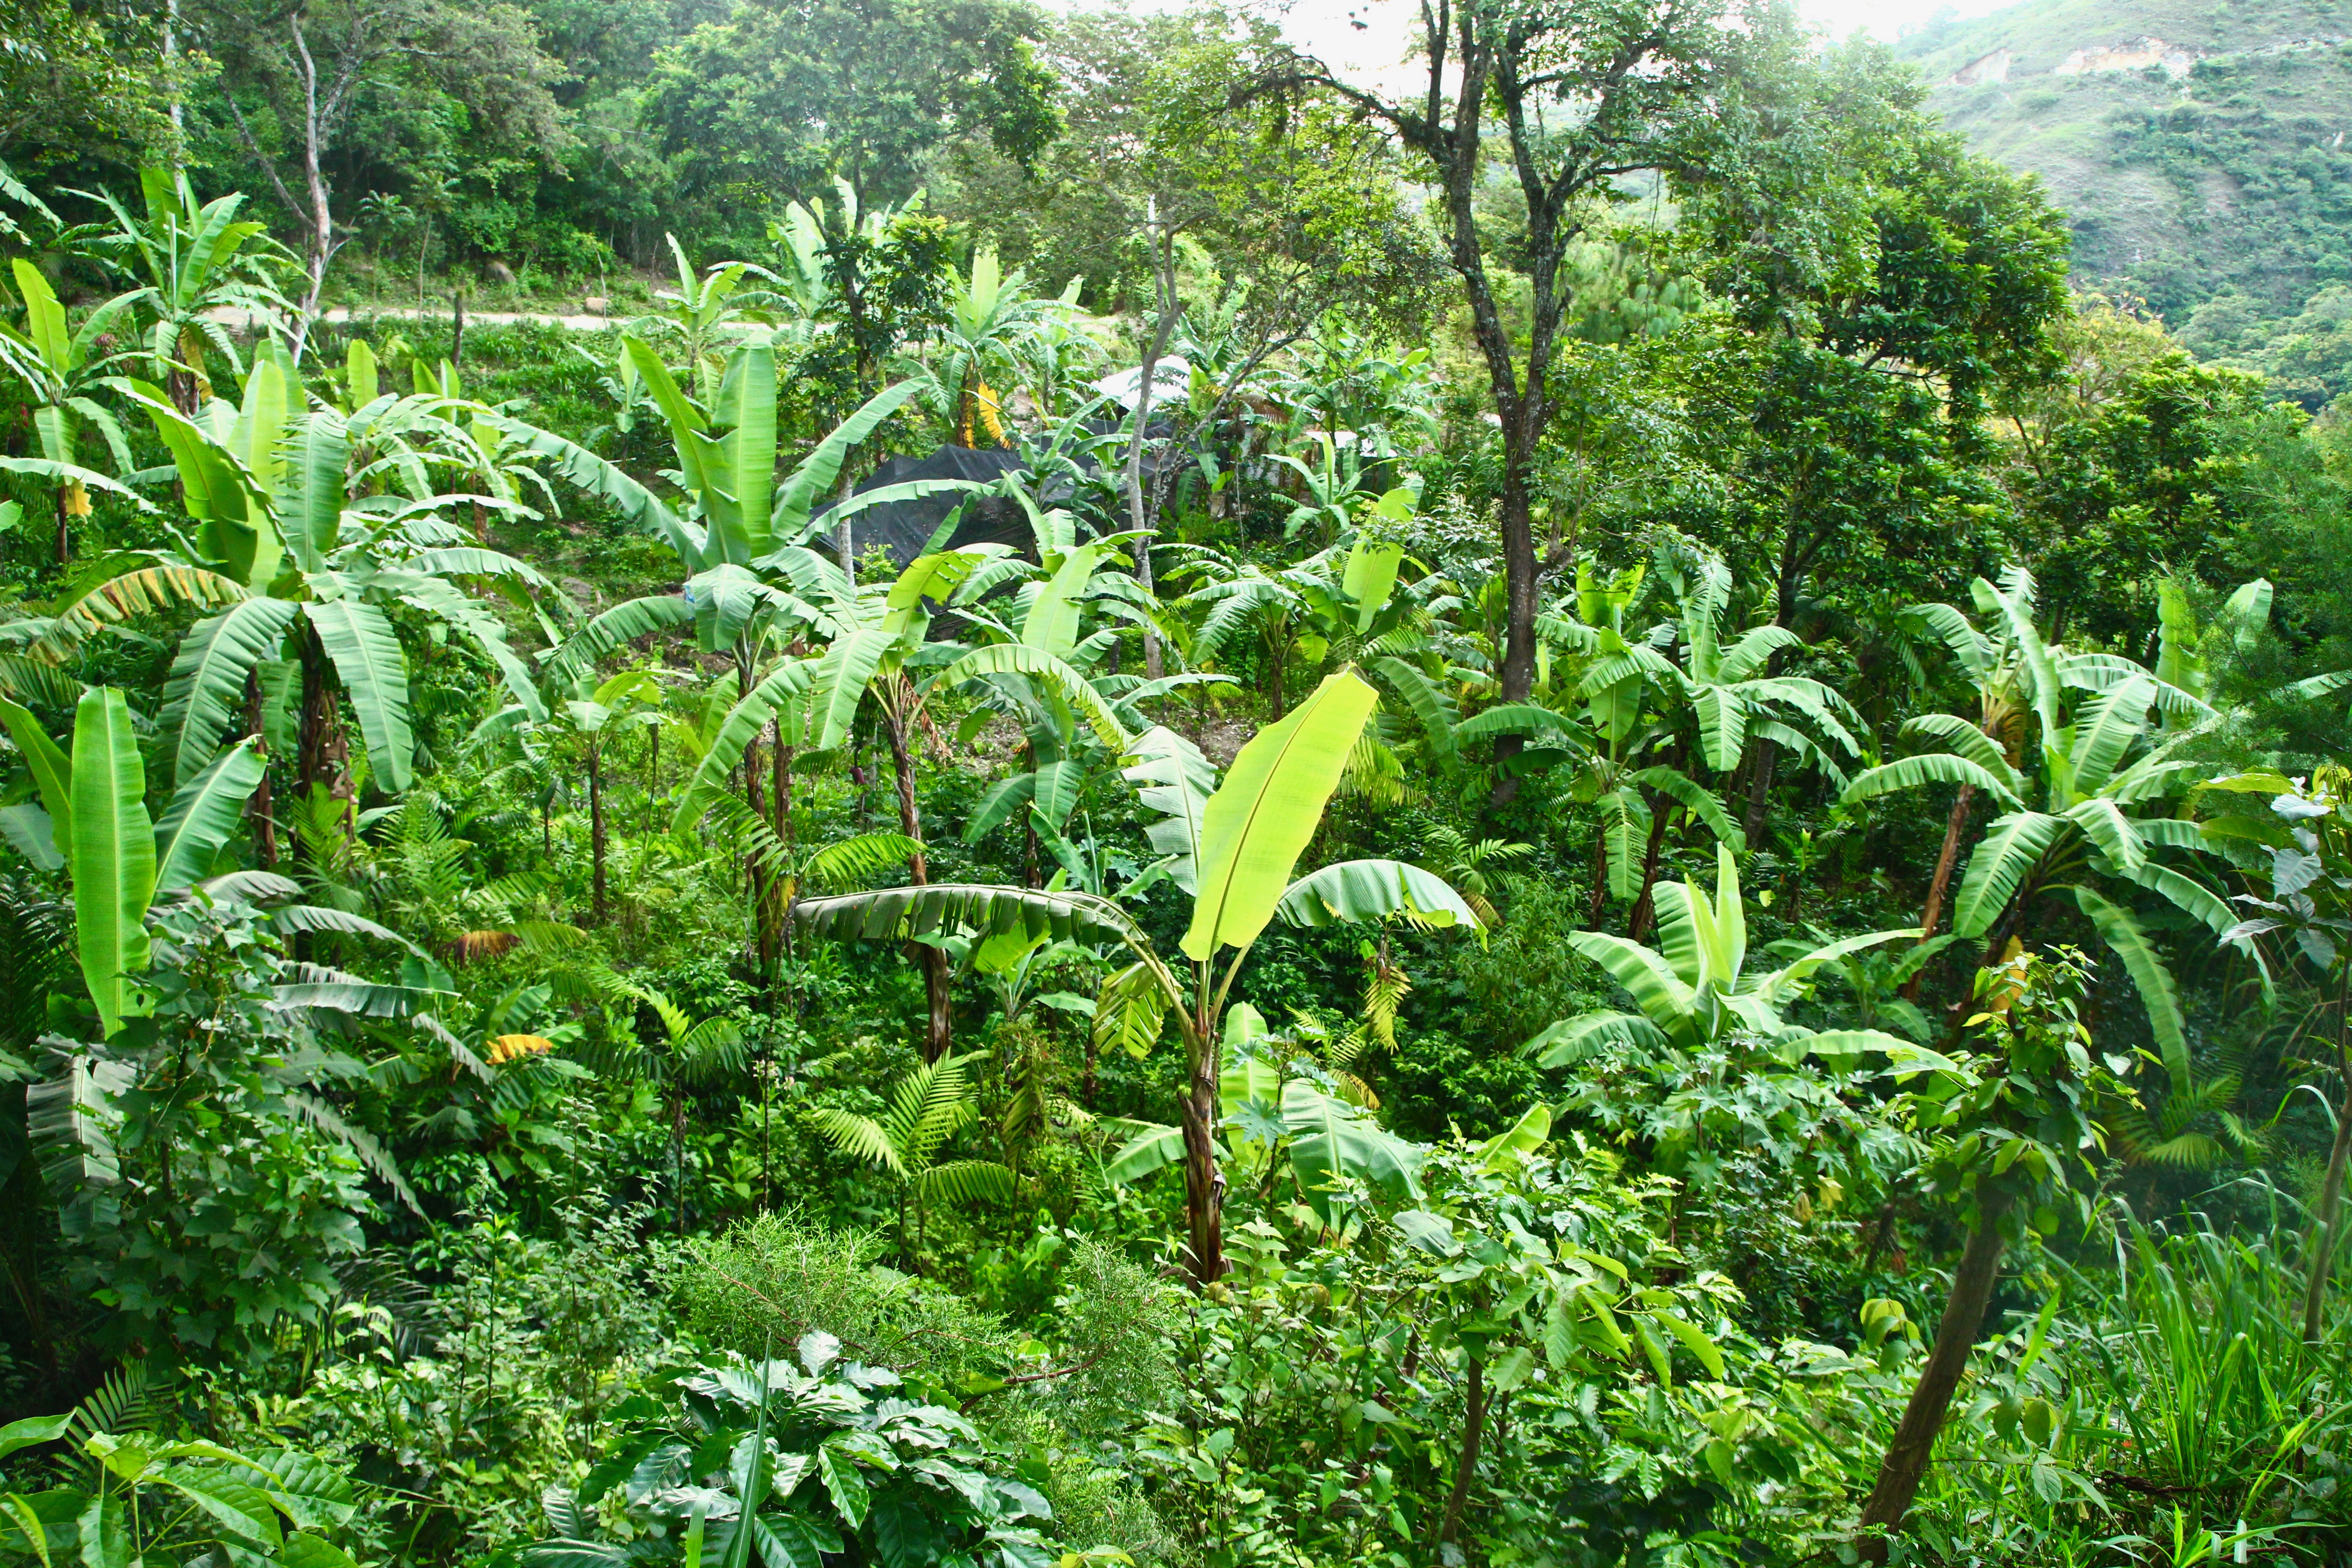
{"type": "Point", "coordinates": [366, 654]}
{"type": "Point", "coordinates": [750, 448]}
{"type": "Point", "coordinates": [1368, 578]}
{"type": "Point", "coordinates": [784, 687]}
{"type": "Point", "coordinates": [240, 1509]}
{"type": "Point", "coordinates": [1052, 624]}
{"type": "Point", "coordinates": [1174, 779]}
{"type": "Point", "coordinates": [112, 857]}
{"type": "Point", "coordinates": [1525, 1136]}
{"type": "Point", "coordinates": [202, 815]}
{"type": "Point", "coordinates": [2146, 966]}
{"type": "Point", "coordinates": [36, 1429]}
{"type": "Point", "coordinates": [314, 501]}
{"type": "Point", "coordinates": [1661, 994]}
{"type": "Point", "coordinates": [2008, 849]}
{"type": "Point", "coordinates": [1152, 1149]}
{"type": "Point", "coordinates": [814, 478]}
{"type": "Point", "coordinates": [1255, 827]}
{"type": "Point", "coordinates": [1354, 890]}
{"type": "Point", "coordinates": [206, 690]}
{"type": "Point", "coordinates": [52, 770]}
{"type": "Point", "coordinates": [1918, 772]}
{"type": "Point", "coordinates": [1695, 1339]}
{"type": "Point", "coordinates": [1018, 658]}
{"type": "Point", "coordinates": [312, 1552]}
{"type": "Point", "coordinates": [1330, 1138]}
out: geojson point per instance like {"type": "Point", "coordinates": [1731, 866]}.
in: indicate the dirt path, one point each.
{"type": "Point", "coordinates": [342, 316]}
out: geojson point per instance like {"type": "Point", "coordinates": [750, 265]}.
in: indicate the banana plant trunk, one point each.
{"type": "Point", "coordinates": [264, 825]}
{"type": "Point", "coordinates": [1204, 1188]}
{"type": "Point", "coordinates": [1913, 1444]}
{"type": "Point", "coordinates": [1933, 915]}
{"type": "Point", "coordinates": [323, 755]}
{"type": "Point", "coordinates": [939, 1026]}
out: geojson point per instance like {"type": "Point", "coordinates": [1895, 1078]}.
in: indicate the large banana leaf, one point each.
{"type": "Point", "coordinates": [599, 477]}
{"type": "Point", "coordinates": [1329, 1137]}
{"type": "Point", "coordinates": [2008, 849]}
{"type": "Point", "coordinates": [446, 602]}
{"type": "Point", "coordinates": [2146, 966]}
{"type": "Point", "coordinates": [366, 654]}
{"type": "Point", "coordinates": [52, 770]}
{"type": "Point", "coordinates": [748, 449]}
{"type": "Point", "coordinates": [624, 622]}
{"type": "Point", "coordinates": [838, 683]}
{"type": "Point", "coordinates": [1440, 716]}
{"type": "Point", "coordinates": [1052, 624]}
{"type": "Point", "coordinates": [202, 816]}
{"type": "Point", "coordinates": [1354, 890]}
{"type": "Point", "coordinates": [812, 480]}
{"type": "Point", "coordinates": [1256, 826]}
{"type": "Point", "coordinates": [1924, 768]}
{"type": "Point", "coordinates": [112, 857]}
{"type": "Point", "coordinates": [1172, 778]}
{"type": "Point", "coordinates": [1018, 658]}
{"type": "Point", "coordinates": [1154, 1147]}
{"type": "Point", "coordinates": [894, 914]}
{"type": "Point", "coordinates": [785, 687]}
{"type": "Point", "coordinates": [206, 686]}
{"type": "Point", "coordinates": [314, 498]}
{"type": "Point", "coordinates": [1661, 994]}
{"type": "Point", "coordinates": [1368, 578]}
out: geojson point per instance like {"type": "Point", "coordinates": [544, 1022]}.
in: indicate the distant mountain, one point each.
{"type": "Point", "coordinates": [2200, 148]}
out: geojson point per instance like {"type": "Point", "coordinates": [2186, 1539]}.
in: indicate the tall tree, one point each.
{"type": "Point", "coordinates": [1575, 99]}
{"type": "Point", "coordinates": [780, 96]}
{"type": "Point", "coordinates": [295, 79]}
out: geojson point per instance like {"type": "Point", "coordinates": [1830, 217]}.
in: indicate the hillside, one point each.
{"type": "Point", "coordinates": [2201, 149]}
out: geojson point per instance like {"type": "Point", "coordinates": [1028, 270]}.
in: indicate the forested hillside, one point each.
{"type": "Point", "coordinates": [904, 784]}
{"type": "Point", "coordinates": [2199, 150]}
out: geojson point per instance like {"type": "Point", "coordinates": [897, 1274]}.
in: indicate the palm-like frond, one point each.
{"type": "Point", "coordinates": [859, 1137]}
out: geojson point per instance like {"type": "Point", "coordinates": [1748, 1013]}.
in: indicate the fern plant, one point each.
{"type": "Point", "coordinates": [927, 1107]}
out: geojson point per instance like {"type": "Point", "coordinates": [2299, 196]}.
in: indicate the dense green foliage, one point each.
{"type": "Point", "coordinates": [1647, 870]}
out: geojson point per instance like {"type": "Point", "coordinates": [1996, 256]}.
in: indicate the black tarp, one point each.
{"type": "Point", "coordinates": [904, 527]}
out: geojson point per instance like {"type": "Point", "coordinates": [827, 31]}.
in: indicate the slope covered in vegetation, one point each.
{"type": "Point", "coordinates": [1168, 816]}
{"type": "Point", "coordinates": [2199, 150]}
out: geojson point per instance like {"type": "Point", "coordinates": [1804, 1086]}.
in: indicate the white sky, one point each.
{"type": "Point", "coordinates": [1330, 29]}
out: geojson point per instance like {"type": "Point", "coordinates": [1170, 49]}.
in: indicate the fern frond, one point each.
{"type": "Point", "coordinates": [859, 1137]}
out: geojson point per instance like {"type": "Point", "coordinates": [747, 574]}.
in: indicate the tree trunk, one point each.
{"type": "Point", "coordinates": [2327, 1227]}
{"type": "Point", "coordinates": [323, 755]}
{"type": "Point", "coordinates": [1465, 1469]}
{"type": "Point", "coordinates": [596, 832]}
{"type": "Point", "coordinates": [1913, 1444]}
{"type": "Point", "coordinates": [1760, 791]}
{"type": "Point", "coordinates": [1637, 925]}
{"type": "Point", "coordinates": [1933, 915]}
{"type": "Point", "coordinates": [938, 1025]}
{"type": "Point", "coordinates": [264, 825]}
{"type": "Point", "coordinates": [1204, 1184]}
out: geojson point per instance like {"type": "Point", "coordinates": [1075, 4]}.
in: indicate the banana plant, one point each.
{"type": "Point", "coordinates": [927, 1107]}
{"type": "Point", "coordinates": [2093, 751]}
{"type": "Point", "coordinates": [1695, 989]}
{"type": "Point", "coordinates": [299, 558]}
{"type": "Point", "coordinates": [1335, 603]}
{"type": "Point", "coordinates": [195, 261]}
{"type": "Point", "coordinates": [117, 857]}
{"type": "Point", "coordinates": [1278, 1122]}
{"type": "Point", "coordinates": [877, 635]}
{"type": "Point", "coordinates": [1235, 851]}
{"type": "Point", "coordinates": [989, 318]}
{"type": "Point", "coordinates": [60, 368]}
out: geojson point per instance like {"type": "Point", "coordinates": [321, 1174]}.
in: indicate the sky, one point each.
{"type": "Point", "coordinates": [1367, 36]}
